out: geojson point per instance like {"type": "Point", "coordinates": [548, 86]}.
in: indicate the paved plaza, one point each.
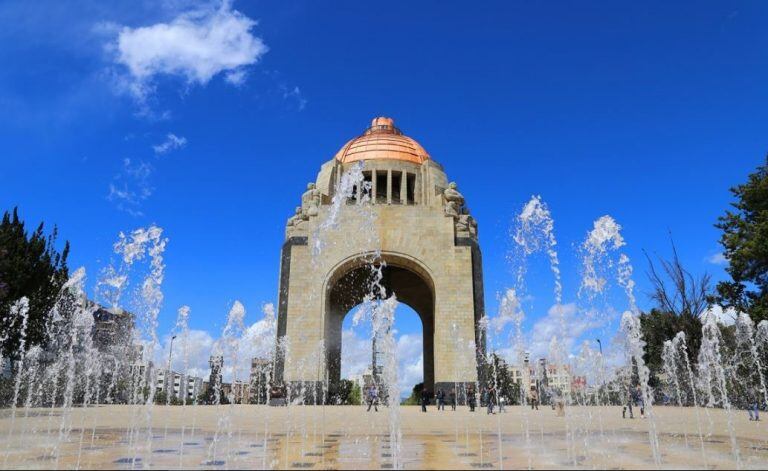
{"type": "Point", "coordinates": [348, 437]}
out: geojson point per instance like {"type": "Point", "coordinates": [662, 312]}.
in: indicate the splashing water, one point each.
{"type": "Point", "coordinates": [535, 232]}
{"type": "Point", "coordinates": [635, 346]}
{"type": "Point", "coordinates": [604, 237]}
{"type": "Point", "coordinates": [712, 376]}
{"type": "Point", "coordinates": [676, 366]}
{"type": "Point", "coordinates": [228, 349]}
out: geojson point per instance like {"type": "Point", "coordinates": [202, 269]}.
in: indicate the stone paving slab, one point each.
{"type": "Point", "coordinates": [347, 437]}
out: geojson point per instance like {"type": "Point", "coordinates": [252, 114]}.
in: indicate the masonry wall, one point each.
{"type": "Point", "coordinates": [418, 237]}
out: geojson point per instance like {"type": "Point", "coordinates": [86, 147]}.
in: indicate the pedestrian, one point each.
{"type": "Point", "coordinates": [452, 399]}
{"type": "Point", "coordinates": [628, 406]}
{"type": "Point", "coordinates": [491, 397]}
{"type": "Point", "coordinates": [502, 401]}
{"type": "Point", "coordinates": [640, 401]}
{"type": "Point", "coordinates": [754, 409]}
{"type": "Point", "coordinates": [471, 398]}
{"type": "Point", "coordinates": [440, 399]}
{"type": "Point", "coordinates": [373, 398]}
{"type": "Point", "coordinates": [424, 400]}
{"type": "Point", "coordinates": [534, 399]}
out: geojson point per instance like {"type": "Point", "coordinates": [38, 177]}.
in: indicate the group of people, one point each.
{"type": "Point", "coordinates": [488, 396]}
{"type": "Point", "coordinates": [441, 398]}
{"type": "Point", "coordinates": [634, 398]}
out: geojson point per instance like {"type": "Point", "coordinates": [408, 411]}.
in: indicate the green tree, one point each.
{"type": "Point", "coordinates": [415, 398]}
{"type": "Point", "coordinates": [680, 299]}
{"type": "Point", "coordinates": [355, 395]}
{"type": "Point", "coordinates": [348, 393]}
{"type": "Point", "coordinates": [745, 246]}
{"type": "Point", "coordinates": [500, 376]}
{"type": "Point", "coordinates": [30, 266]}
{"type": "Point", "coordinates": [161, 398]}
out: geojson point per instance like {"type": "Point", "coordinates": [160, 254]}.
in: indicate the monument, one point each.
{"type": "Point", "coordinates": [428, 243]}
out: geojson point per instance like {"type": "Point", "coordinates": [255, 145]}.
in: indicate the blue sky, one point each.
{"type": "Point", "coordinates": [647, 111]}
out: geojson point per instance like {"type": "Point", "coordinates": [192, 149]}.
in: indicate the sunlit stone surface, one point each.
{"type": "Point", "coordinates": [381, 199]}
{"type": "Point", "coordinates": [314, 437]}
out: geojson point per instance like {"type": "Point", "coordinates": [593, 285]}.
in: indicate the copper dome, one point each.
{"type": "Point", "coordinates": [382, 141]}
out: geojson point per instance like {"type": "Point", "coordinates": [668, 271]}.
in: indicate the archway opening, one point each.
{"type": "Point", "coordinates": [415, 293]}
{"type": "Point", "coordinates": [361, 367]}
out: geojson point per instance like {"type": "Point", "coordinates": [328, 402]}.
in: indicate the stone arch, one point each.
{"type": "Point", "coordinates": [346, 286]}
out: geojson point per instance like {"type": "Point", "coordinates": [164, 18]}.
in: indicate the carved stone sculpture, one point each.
{"type": "Point", "coordinates": [310, 201]}
{"type": "Point", "coordinates": [295, 222]}
{"type": "Point", "coordinates": [466, 225]}
{"type": "Point", "coordinates": [454, 201]}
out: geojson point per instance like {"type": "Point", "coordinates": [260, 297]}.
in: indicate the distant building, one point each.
{"type": "Point", "coordinates": [261, 376]}
{"type": "Point", "coordinates": [112, 329]}
{"type": "Point", "coordinates": [175, 385]}
{"type": "Point", "coordinates": [544, 376]}
{"type": "Point", "coordinates": [140, 370]}
{"type": "Point", "coordinates": [194, 387]}
{"type": "Point", "coordinates": [241, 392]}
{"type": "Point", "coordinates": [559, 377]}
{"type": "Point", "coordinates": [226, 391]}
{"type": "Point", "coordinates": [364, 380]}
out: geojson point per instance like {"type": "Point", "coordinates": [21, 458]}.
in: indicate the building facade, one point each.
{"type": "Point", "coordinates": [415, 225]}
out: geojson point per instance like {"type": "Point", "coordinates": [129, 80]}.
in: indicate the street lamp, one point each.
{"type": "Point", "coordinates": [170, 353]}
{"type": "Point", "coordinates": [600, 344]}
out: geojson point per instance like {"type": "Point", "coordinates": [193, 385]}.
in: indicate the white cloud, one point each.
{"type": "Point", "coordinates": [196, 46]}
{"type": "Point", "coordinates": [355, 353]}
{"type": "Point", "coordinates": [236, 77]}
{"type": "Point", "coordinates": [717, 259]}
{"type": "Point", "coordinates": [356, 357]}
{"type": "Point", "coordinates": [130, 187]}
{"type": "Point", "coordinates": [172, 142]}
{"type": "Point", "coordinates": [196, 348]}
{"type": "Point", "coordinates": [725, 316]}
{"type": "Point", "coordinates": [410, 360]}
{"type": "Point", "coordinates": [257, 341]}
{"type": "Point", "coordinates": [563, 322]}
{"type": "Point", "coordinates": [294, 94]}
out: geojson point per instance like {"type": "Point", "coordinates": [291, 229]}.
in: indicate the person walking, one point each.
{"type": "Point", "coordinates": [490, 398]}
{"type": "Point", "coordinates": [452, 399]}
{"type": "Point", "coordinates": [754, 408]}
{"type": "Point", "coordinates": [471, 398]}
{"type": "Point", "coordinates": [628, 406]}
{"type": "Point", "coordinates": [424, 400]}
{"type": "Point", "coordinates": [373, 398]}
{"type": "Point", "coordinates": [502, 400]}
{"type": "Point", "coordinates": [440, 399]}
{"type": "Point", "coordinates": [534, 399]}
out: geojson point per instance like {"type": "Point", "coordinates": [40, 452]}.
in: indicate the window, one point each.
{"type": "Point", "coordinates": [396, 180]}
{"type": "Point", "coordinates": [411, 188]}
{"type": "Point", "coordinates": [367, 184]}
{"type": "Point", "coordinates": [381, 187]}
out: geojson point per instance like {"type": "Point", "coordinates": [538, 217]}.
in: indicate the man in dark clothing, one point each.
{"type": "Point", "coordinates": [491, 399]}
{"type": "Point", "coordinates": [452, 398]}
{"type": "Point", "coordinates": [440, 399]}
{"type": "Point", "coordinates": [534, 399]}
{"type": "Point", "coordinates": [424, 400]}
{"type": "Point", "coordinates": [471, 398]}
{"type": "Point", "coordinates": [630, 400]}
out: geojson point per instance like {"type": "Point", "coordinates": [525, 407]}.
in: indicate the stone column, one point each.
{"type": "Point", "coordinates": [373, 186]}
{"type": "Point", "coordinates": [403, 187]}
{"type": "Point", "coordinates": [389, 186]}
{"type": "Point", "coordinates": [417, 188]}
